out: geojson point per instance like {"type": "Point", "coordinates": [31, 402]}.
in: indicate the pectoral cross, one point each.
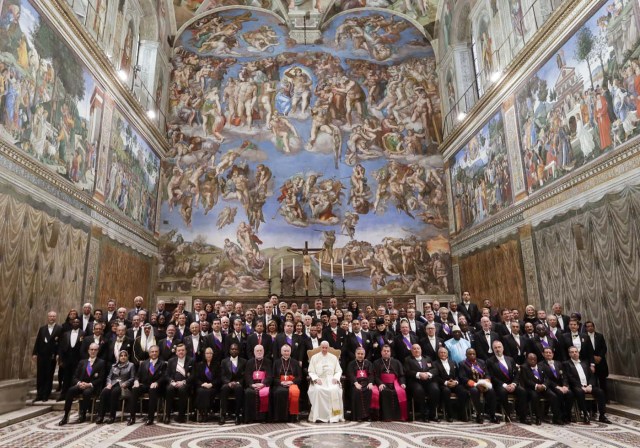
{"type": "Point", "coordinates": [306, 262]}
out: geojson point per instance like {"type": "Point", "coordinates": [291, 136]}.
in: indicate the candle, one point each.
{"type": "Point", "coordinates": [294, 268]}
{"type": "Point", "coordinates": [332, 268]}
{"type": "Point", "coordinates": [269, 267]}
{"type": "Point", "coordinates": [320, 265]}
{"type": "Point", "coordinates": [281, 270]}
{"type": "Point", "coordinates": [343, 268]}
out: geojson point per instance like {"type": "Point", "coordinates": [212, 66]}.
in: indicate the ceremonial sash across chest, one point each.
{"type": "Point", "coordinates": [476, 368]}
{"type": "Point", "coordinates": [536, 374]}
{"type": "Point", "coordinates": [391, 378]}
{"type": "Point", "coordinates": [152, 368]}
{"type": "Point", "coordinates": [407, 342]}
{"type": "Point", "coordinates": [545, 344]}
{"type": "Point", "coordinates": [217, 342]}
{"type": "Point", "coordinates": [234, 368]}
{"type": "Point", "coordinates": [553, 370]}
{"type": "Point", "coordinates": [359, 339]}
{"type": "Point", "coordinates": [89, 369]}
{"type": "Point", "coordinates": [263, 394]}
{"type": "Point", "coordinates": [207, 373]}
{"type": "Point", "coordinates": [504, 370]}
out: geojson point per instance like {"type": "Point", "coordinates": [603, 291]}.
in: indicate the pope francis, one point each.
{"type": "Point", "coordinates": [325, 390]}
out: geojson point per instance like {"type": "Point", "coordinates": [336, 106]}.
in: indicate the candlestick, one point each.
{"type": "Point", "coordinates": [294, 268]}
{"type": "Point", "coordinates": [332, 268]}
{"type": "Point", "coordinates": [344, 291]}
{"type": "Point", "coordinates": [343, 268]}
{"type": "Point", "coordinates": [269, 268]}
{"type": "Point", "coordinates": [281, 269]}
{"type": "Point", "coordinates": [320, 266]}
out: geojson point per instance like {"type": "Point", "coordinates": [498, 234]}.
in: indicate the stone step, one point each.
{"type": "Point", "coordinates": [20, 415]}
{"type": "Point", "coordinates": [624, 411]}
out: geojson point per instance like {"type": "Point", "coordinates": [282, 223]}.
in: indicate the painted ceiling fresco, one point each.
{"type": "Point", "coordinates": [276, 144]}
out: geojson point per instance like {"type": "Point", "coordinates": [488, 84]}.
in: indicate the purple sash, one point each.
{"type": "Point", "coordinates": [359, 339]}
{"type": "Point", "coordinates": [89, 368]}
{"type": "Point", "coordinates": [504, 370]}
{"type": "Point", "coordinates": [381, 341]}
{"type": "Point", "coordinates": [152, 368]}
{"type": "Point", "coordinates": [248, 329]}
{"type": "Point", "coordinates": [234, 368]}
{"type": "Point", "coordinates": [536, 374]}
{"type": "Point", "coordinates": [553, 371]}
{"type": "Point", "coordinates": [168, 343]}
{"type": "Point", "coordinates": [207, 373]}
{"type": "Point", "coordinates": [545, 344]}
{"type": "Point", "coordinates": [407, 342]}
{"type": "Point", "coordinates": [446, 328]}
{"type": "Point", "coordinates": [475, 367]}
{"type": "Point", "coordinates": [289, 340]}
{"type": "Point", "coordinates": [217, 342]}
{"type": "Point", "coordinates": [553, 335]}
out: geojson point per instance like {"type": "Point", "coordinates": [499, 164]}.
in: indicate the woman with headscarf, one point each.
{"type": "Point", "coordinates": [119, 383]}
{"type": "Point", "coordinates": [143, 343]}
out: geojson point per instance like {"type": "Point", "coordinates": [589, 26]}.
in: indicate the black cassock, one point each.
{"type": "Point", "coordinates": [361, 373]}
{"type": "Point", "coordinates": [285, 371]}
{"type": "Point", "coordinates": [389, 404]}
{"type": "Point", "coordinates": [251, 395]}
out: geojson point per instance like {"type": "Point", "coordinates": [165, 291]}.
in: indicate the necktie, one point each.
{"type": "Point", "coordinates": [335, 336]}
{"type": "Point", "coordinates": [259, 339]}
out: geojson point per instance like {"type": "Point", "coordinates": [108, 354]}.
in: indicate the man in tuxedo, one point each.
{"type": "Point", "coordinates": [111, 315]}
{"type": "Point", "coordinates": [505, 380]}
{"type": "Point", "coordinates": [390, 305]}
{"type": "Point", "coordinates": [136, 328]}
{"type": "Point", "coordinates": [538, 385]}
{"type": "Point", "coordinates": [403, 342]}
{"type": "Point", "coordinates": [470, 310]}
{"type": "Point", "coordinates": [484, 339]}
{"type": "Point", "coordinates": [474, 376]}
{"type": "Point", "coordinates": [151, 379]}
{"type": "Point", "coordinates": [333, 334]}
{"type": "Point", "coordinates": [233, 369]}
{"type": "Point", "coordinates": [541, 341]}
{"type": "Point", "coordinates": [503, 328]}
{"type": "Point", "coordinates": [121, 342]}
{"type": "Point", "coordinates": [259, 337]}
{"type": "Point", "coordinates": [137, 307]}
{"type": "Point", "coordinates": [195, 315]}
{"type": "Point", "coordinates": [599, 345]}
{"type": "Point", "coordinates": [88, 379]}
{"type": "Point", "coordinates": [415, 326]}
{"type": "Point", "coordinates": [216, 340]}
{"type": "Point", "coordinates": [248, 326]}
{"type": "Point", "coordinates": [448, 382]}
{"type": "Point", "coordinates": [44, 353]}
{"type": "Point", "coordinates": [582, 381]}
{"type": "Point", "coordinates": [237, 336]}
{"type": "Point", "coordinates": [86, 319]}
{"type": "Point", "coordinates": [316, 313]}
{"type": "Point", "coordinates": [353, 340]}
{"type": "Point", "coordinates": [269, 315]}
{"type": "Point", "coordinates": [69, 355]}
{"type": "Point", "coordinates": [194, 343]}
{"type": "Point", "coordinates": [162, 311]}
{"type": "Point", "coordinates": [98, 338]}
{"type": "Point", "coordinates": [573, 338]}
{"type": "Point", "coordinates": [288, 337]}
{"type": "Point", "coordinates": [558, 383]}
{"type": "Point", "coordinates": [421, 375]}
{"type": "Point", "coordinates": [563, 319]}
{"type": "Point", "coordinates": [168, 345]}
{"type": "Point", "coordinates": [515, 345]}
{"type": "Point", "coordinates": [431, 343]}
{"type": "Point", "coordinates": [179, 375]}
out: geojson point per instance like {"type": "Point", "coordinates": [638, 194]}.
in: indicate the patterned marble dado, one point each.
{"type": "Point", "coordinates": [44, 432]}
{"type": "Point", "coordinates": [623, 160]}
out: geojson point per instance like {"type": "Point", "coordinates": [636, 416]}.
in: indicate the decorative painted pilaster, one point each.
{"type": "Point", "coordinates": [455, 267]}
{"type": "Point", "coordinates": [103, 153]}
{"type": "Point", "coordinates": [529, 266]}
{"type": "Point", "coordinates": [91, 274]}
{"type": "Point", "coordinates": [513, 149]}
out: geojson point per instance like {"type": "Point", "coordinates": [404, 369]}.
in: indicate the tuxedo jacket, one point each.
{"type": "Point", "coordinates": [413, 367]}
{"type": "Point", "coordinates": [112, 357]}
{"type": "Point", "coordinates": [557, 376]}
{"type": "Point", "coordinates": [573, 377]}
{"type": "Point", "coordinates": [197, 355]}
{"type": "Point", "coordinates": [200, 376]}
{"type": "Point", "coordinates": [537, 347]}
{"type": "Point", "coordinates": [466, 373]}
{"type": "Point", "coordinates": [472, 312]}
{"type": "Point", "coordinates": [511, 348]}
{"type": "Point", "coordinates": [65, 351]}
{"type": "Point", "coordinates": [167, 351]}
{"type": "Point", "coordinates": [281, 340]}
{"type": "Point", "coordinates": [498, 377]}
{"type": "Point", "coordinates": [132, 312]}
{"type": "Point", "coordinates": [146, 378]}
{"type": "Point", "coordinates": [103, 349]}
{"type": "Point", "coordinates": [46, 344]}
{"type": "Point", "coordinates": [530, 381]}
{"type": "Point", "coordinates": [217, 347]}
{"type": "Point", "coordinates": [231, 338]}
{"type": "Point", "coordinates": [600, 349]}
{"type": "Point", "coordinates": [267, 343]}
{"type": "Point", "coordinates": [400, 349]}
{"type": "Point", "coordinates": [351, 343]}
{"type": "Point", "coordinates": [480, 344]}
{"type": "Point", "coordinates": [442, 375]}
{"type": "Point", "coordinates": [134, 335]}
{"type": "Point", "coordinates": [328, 335]}
{"type": "Point", "coordinates": [228, 375]}
{"type": "Point", "coordinates": [174, 375]}
{"type": "Point", "coordinates": [586, 349]}
{"type": "Point", "coordinates": [427, 348]}
{"type": "Point", "coordinates": [96, 377]}
{"type": "Point", "coordinates": [565, 320]}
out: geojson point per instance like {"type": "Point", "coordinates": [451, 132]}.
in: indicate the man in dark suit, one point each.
{"type": "Point", "coordinates": [431, 343]}
{"type": "Point", "coordinates": [137, 307]}
{"type": "Point", "coordinates": [422, 380]}
{"type": "Point", "coordinates": [333, 334]}
{"type": "Point", "coordinates": [233, 369]}
{"type": "Point", "coordinates": [582, 381]}
{"type": "Point", "coordinates": [505, 380]}
{"type": "Point", "coordinates": [541, 341]}
{"type": "Point", "coordinates": [162, 311]}
{"type": "Point", "coordinates": [168, 345]}
{"type": "Point", "coordinates": [111, 315]}
{"type": "Point", "coordinates": [259, 337]}
{"type": "Point", "coordinates": [150, 379]}
{"type": "Point", "coordinates": [194, 343]}
{"type": "Point", "coordinates": [121, 342]}
{"type": "Point", "coordinates": [86, 318]}
{"type": "Point", "coordinates": [563, 319]}
{"type": "Point", "coordinates": [558, 383]}
{"type": "Point", "coordinates": [98, 338]}
{"type": "Point", "coordinates": [470, 310]}
{"type": "Point", "coordinates": [216, 340]}
{"type": "Point", "coordinates": [179, 373]}
{"type": "Point", "coordinates": [473, 375]}
{"type": "Point", "coordinates": [574, 338]}
{"type": "Point", "coordinates": [484, 339]}
{"type": "Point", "coordinates": [537, 383]}
{"type": "Point", "coordinates": [515, 345]}
{"type": "Point", "coordinates": [357, 338]}
{"type": "Point", "coordinates": [599, 345]}
{"type": "Point", "coordinates": [69, 355]}
{"type": "Point", "coordinates": [449, 383]}
{"type": "Point", "coordinates": [288, 337]}
{"type": "Point", "coordinates": [403, 342]}
{"type": "Point", "coordinates": [503, 328]}
{"type": "Point", "coordinates": [44, 353]}
{"type": "Point", "coordinates": [237, 336]}
{"type": "Point", "coordinates": [88, 379]}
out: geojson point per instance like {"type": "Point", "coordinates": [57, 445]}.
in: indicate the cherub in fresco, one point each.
{"type": "Point", "coordinates": [283, 131]}
{"type": "Point", "coordinates": [226, 216]}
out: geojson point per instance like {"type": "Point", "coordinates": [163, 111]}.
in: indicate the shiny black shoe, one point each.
{"type": "Point", "coordinates": [100, 420]}
{"type": "Point", "coordinates": [149, 422]}
{"type": "Point", "coordinates": [131, 421]}
{"type": "Point", "coordinates": [222, 421]}
{"type": "Point", "coordinates": [495, 419]}
{"type": "Point", "coordinates": [449, 419]}
{"type": "Point", "coordinates": [64, 420]}
{"type": "Point", "coordinates": [181, 419]}
{"type": "Point", "coordinates": [603, 419]}
{"type": "Point", "coordinates": [110, 420]}
{"type": "Point", "coordinates": [538, 422]}
{"type": "Point", "coordinates": [82, 417]}
{"type": "Point", "coordinates": [480, 419]}
{"type": "Point", "coordinates": [238, 420]}
{"type": "Point", "coordinates": [585, 418]}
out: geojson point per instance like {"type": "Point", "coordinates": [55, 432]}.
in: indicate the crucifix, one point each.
{"type": "Point", "coordinates": [306, 262]}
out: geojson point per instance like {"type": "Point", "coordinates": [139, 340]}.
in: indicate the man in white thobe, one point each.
{"type": "Point", "coordinates": [325, 390]}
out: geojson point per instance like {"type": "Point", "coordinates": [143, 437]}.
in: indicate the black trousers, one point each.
{"type": "Point", "coordinates": [420, 391]}
{"type": "Point", "coordinates": [521, 400]}
{"type": "Point", "coordinates": [238, 393]}
{"type": "Point", "coordinates": [182, 393]}
{"type": "Point", "coordinates": [204, 398]}
{"type": "Point", "coordinates": [463, 399]}
{"type": "Point", "coordinates": [44, 381]}
{"type": "Point", "coordinates": [85, 398]}
{"type": "Point", "coordinates": [489, 401]}
{"type": "Point", "coordinates": [137, 392]}
{"type": "Point", "coordinates": [109, 399]}
{"type": "Point", "coordinates": [597, 393]}
{"type": "Point", "coordinates": [535, 398]}
{"type": "Point", "coordinates": [566, 402]}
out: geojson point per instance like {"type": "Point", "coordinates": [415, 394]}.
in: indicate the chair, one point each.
{"type": "Point", "coordinates": [315, 351]}
{"type": "Point", "coordinates": [467, 409]}
{"type": "Point", "coordinates": [590, 399]}
{"type": "Point", "coordinates": [164, 408]}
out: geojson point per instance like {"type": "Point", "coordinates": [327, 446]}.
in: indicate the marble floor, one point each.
{"type": "Point", "coordinates": [43, 431]}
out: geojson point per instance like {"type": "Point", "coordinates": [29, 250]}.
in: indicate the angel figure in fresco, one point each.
{"type": "Point", "coordinates": [213, 120]}
{"type": "Point", "coordinates": [174, 187]}
{"type": "Point", "coordinates": [283, 131]}
{"type": "Point", "coordinates": [209, 192]}
{"type": "Point", "coordinates": [226, 216]}
{"type": "Point", "coordinates": [349, 223]}
{"type": "Point", "coordinates": [329, 239]}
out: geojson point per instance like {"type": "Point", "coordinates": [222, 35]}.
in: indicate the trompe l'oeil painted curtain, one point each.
{"type": "Point", "coordinates": [41, 268]}
{"type": "Point", "coordinates": [602, 281]}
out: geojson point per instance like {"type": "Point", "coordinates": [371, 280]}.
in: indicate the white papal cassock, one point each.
{"type": "Point", "coordinates": [326, 398]}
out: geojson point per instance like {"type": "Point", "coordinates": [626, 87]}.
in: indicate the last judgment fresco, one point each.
{"type": "Point", "coordinates": [274, 145]}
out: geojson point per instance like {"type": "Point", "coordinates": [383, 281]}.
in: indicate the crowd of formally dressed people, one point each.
{"type": "Point", "coordinates": [382, 363]}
